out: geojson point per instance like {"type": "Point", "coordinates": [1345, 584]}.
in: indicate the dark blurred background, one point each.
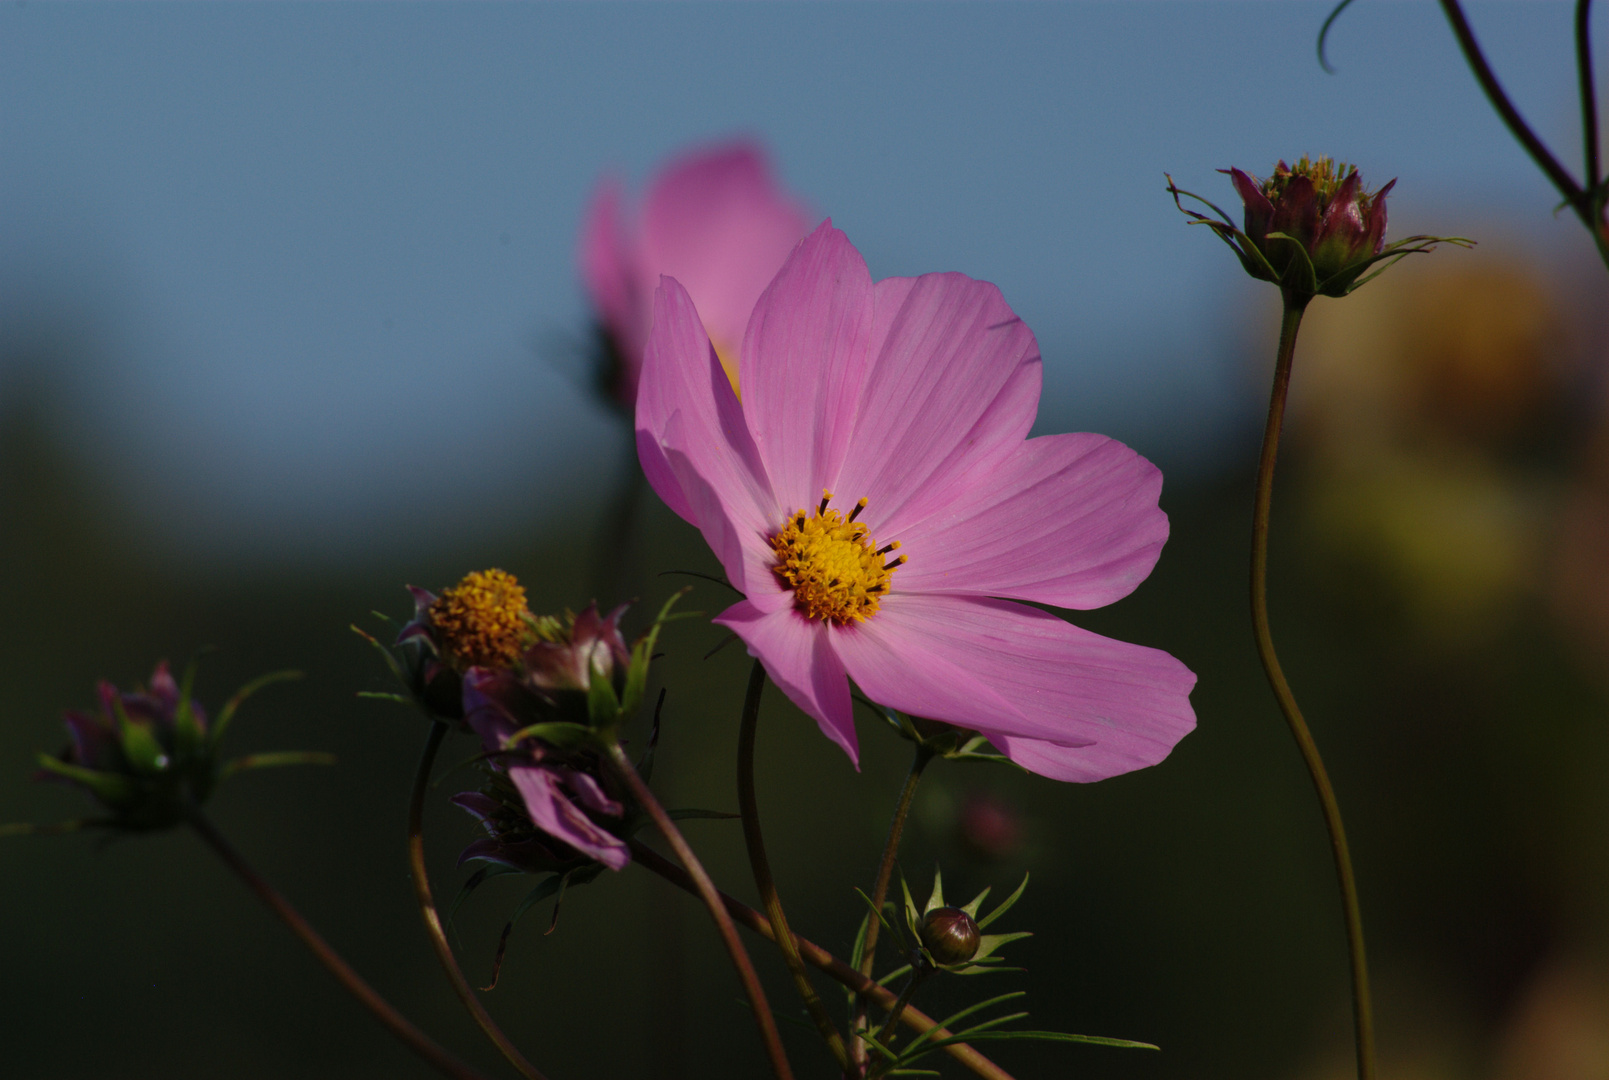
{"type": "Point", "coordinates": [289, 318]}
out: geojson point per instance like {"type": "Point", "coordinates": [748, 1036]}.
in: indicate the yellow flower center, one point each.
{"type": "Point", "coordinates": [482, 620]}
{"type": "Point", "coordinates": [835, 570]}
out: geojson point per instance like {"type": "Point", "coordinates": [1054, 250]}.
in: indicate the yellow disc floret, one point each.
{"type": "Point", "coordinates": [836, 571]}
{"type": "Point", "coordinates": [482, 620]}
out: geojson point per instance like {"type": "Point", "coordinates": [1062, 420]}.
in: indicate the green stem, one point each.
{"type": "Point", "coordinates": [820, 958]}
{"type": "Point", "coordinates": [432, 918]}
{"type": "Point", "coordinates": [1362, 1013]}
{"type": "Point", "coordinates": [748, 807]}
{"type": "Point", "coordinates": [706, 891]}
{"type": "Point", "coordinates": [885, 872]}
{"type": "Point", "coordinates": [919, 974]}
{"type": "Point", "coordinates": [395, 1022]}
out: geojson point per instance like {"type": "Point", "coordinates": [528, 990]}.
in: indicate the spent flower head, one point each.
{"type": "Point", "coordinates": [1312, 228]}
{"type": "Point", "coordinates": [149, 755]}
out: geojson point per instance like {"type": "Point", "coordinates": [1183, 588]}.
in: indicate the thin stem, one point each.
{"type": "Point", "coordinates": [749, 808]}
{"type": "Point", "coordinates": [1589, 94]}
{"type": "Point", "coordinates": [885, 872]}
{"type": "Point", "coordinates": [919, 974]}
{"type": "Point", "coordinates": [1517, 126]}
{"type": "Point", "coordinates": [432, 918]}
{"type": "Point", "coordinates": [1362, 1013]}
{"type": "Point", "coordinates": [820, 958]}
{"type": "Point", "coordinates": [705, 889]}
{"type": "Point", "coordinates": [412, 1037]}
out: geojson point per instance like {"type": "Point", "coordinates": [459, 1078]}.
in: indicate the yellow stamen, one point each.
{"type": "Point", "coordinates": [482, 620]}
{"type": "Point", "coordinates": [834, 568]}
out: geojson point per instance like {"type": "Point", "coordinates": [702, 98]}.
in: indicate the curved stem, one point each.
{"type": "Point", "coordinates": [705, 888]}
{"type": "Point", "coordinates": [1589, 93]}
{"type": "Point", "coordinates": [748, 807]}
{"type": "Point", "coordinates": [427, 909]}
{"type": "Point", "coordinates": [885, 871]}
{"type": "Point", "coordinates": [395, 1022]}
{"type": "Point", "coordinates": [1517, 126]}
{"type": "Point", "coordinates": [815, 955]}
{"type": "Point", "coordinates": [1362, 1012]}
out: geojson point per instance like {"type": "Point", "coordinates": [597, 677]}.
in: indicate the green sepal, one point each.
{"type": "Point", "coordinates": [232, 706]}
{"type": "Point", "coordinates": [273, 760]}
{"type": "Point", "coordinates": [603, 707]}
{"type": "Point", "coordinates": [560, 733]}
{"type": "Point", "coordinates": [935, 899]}
{"type": "Point", "coordinates": [988, 943]}
{"type": "Point", "coordinates": [140, 745]}
{"type": "Point", "coordinates": [110, 788]}
{"type": "Point", "coordinates": [188, 738]}
{"type": "Point", "coordinates": [1005, 905]}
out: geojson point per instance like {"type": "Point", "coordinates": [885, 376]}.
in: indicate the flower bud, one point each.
{"type": "Point", "coordinates": [950, 935]}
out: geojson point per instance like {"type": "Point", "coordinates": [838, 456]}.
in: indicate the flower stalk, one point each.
{"type": "Point", "coordinates": [885, 873]}
{"type": "Point", "coordinates": [705, 889]}
{"type": "Point", "coordinates": [432, 918]}
{"type": "Point", "coordinates": [399, 1026]}
{"type": "Point", "coordinates": [748, 807]}
{"type": "Point", "coordinates": [1362, 1010]}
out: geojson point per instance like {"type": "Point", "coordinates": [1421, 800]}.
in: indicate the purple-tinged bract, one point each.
{"type": "Point", "coordinates": [875, 497]}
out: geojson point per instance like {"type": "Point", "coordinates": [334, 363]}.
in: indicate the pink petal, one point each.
{"type": "Point", "coordinates": [557, 816]}
{"type": "Point", "coordinates": [613, 279]}
{"type": "Point", "coordinates": [1259, 211]}
{"type": "Point", "coordinates": [800, 660]}
{"type": "Point", "coordinates": [1070, 520]}
{"type": "Point", "coordinates": [803, 361]}
{"type": "Point", "coordinates": [1120, 706]}
{"type": "Point", "coordinates": [682, 381]}
{"type": "Point", "coordinates": [953, 385]}
{"type": "Point", "coordinates": [716, 221]}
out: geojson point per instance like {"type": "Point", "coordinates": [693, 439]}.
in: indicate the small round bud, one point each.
{"type": "Point", "coordinates": [950, 935]}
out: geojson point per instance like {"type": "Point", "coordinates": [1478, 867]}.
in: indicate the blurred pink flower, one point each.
{"type": "Point", "coordinates": [913, 396]}
{"type": "Point", "coordinates": [713, 219]}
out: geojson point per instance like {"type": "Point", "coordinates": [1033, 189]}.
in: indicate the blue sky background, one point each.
{"type": "Point", "coordinates": [314, 264]}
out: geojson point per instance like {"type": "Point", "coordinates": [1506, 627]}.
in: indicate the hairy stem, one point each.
{"type": "Point", "coordinates": [395, 1022]}
{"type": "Point", "coordinates": [705, 889]}
{"type": "Point", "coordinates": [1362, 1012]}
{"type": "Point", "coordinates": [820, 958]}
{"type": "Point", "coordinates": [749, 808]}
{"type": "Point", "coordinates": [427, 909]}
{"type": "Point", "coordinates": [885, 871]}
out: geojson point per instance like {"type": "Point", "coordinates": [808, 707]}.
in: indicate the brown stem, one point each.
{"type": "Point", "coordinates": [1362, 1010]}
{"type": "Point", "coordinates": [885, 872]}
{"type": "Point", "coordinates": [395, 1022]}
{"type": "Point", "coordinates": [1589, 93]}
{"type": "Point", "coordinates": [749, 808]}
{"type": "Point", "coordinates": [427, 910]}
{"type": "Point", "coordinates": [704, 888]}
{"type": "Point", "coordinates": [820, 958]}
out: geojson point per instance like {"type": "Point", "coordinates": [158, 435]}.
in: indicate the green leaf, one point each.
{"type": "Point", "coordinates": [857, 951]}
{"type": "Point", "coordinates": [949, 1021]}
{"type": "Point", "coordinates": [972, 907]}
{"type": "Point", "coordinates": [232, 706]}
{"type": "Point", "coordinates": [988, 943]}
{"type": "Point", "coordinates": [935, 899]}
{"type": "Point", "coordinates": [274, 760]}
{"type": "Point", "coordinates": [1048, 1036]}
{"type": "Point", "coordinates": [560, 733]}
{"type": "Point", "coordinates": [694, 814]}
{"type": "Point", "coordinates": [887, 925]}
{"type": "Point", "coordinates": [1005, 905]}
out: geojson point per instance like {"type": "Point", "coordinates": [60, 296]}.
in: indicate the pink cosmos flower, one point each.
{"type": "Point", "coordinates": [716, 221]}
{"type": "Point", "coordinates": [895, 415]}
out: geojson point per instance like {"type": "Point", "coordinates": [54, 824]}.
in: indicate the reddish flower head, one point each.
{"type": "Point", "coordinates": [895, 415]}
{"type": "Point", "coordinates": [1312, 229]}
{"type": "Point", "coordinates": [715, 220]}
